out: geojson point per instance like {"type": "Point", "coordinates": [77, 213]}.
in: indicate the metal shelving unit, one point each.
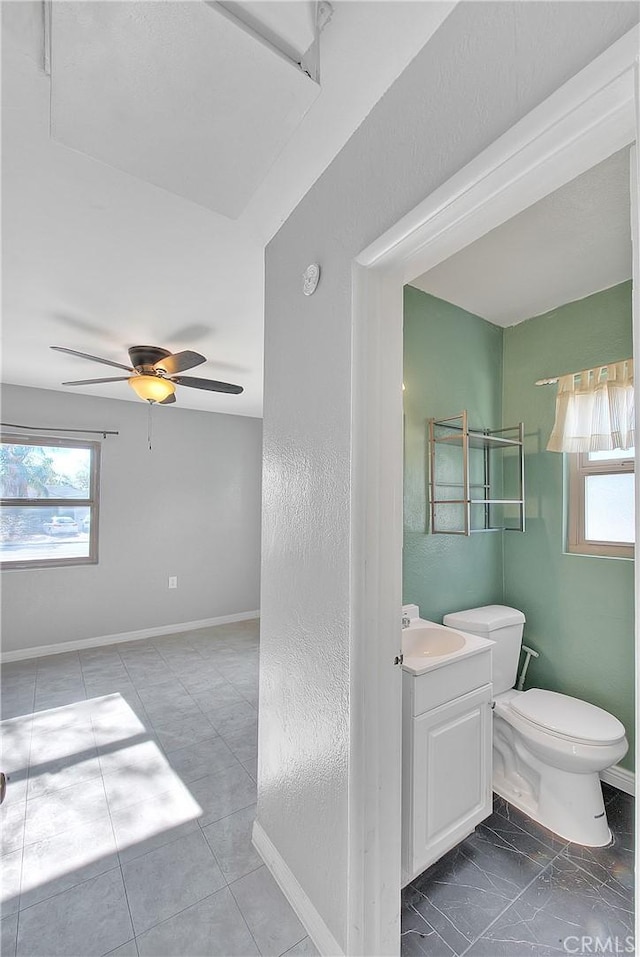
{"type": "Point", "coordinates": [468, 492]}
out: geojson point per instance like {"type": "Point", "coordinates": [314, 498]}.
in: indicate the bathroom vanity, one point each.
{"type": "Point", "coordinates": [446, 740]}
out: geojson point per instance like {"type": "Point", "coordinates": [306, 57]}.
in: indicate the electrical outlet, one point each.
{"type": "Point", "coordinates": [173, 582]}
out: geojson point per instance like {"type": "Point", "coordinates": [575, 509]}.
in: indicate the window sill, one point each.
{"type": "Point", "coordinates": [580, 553]}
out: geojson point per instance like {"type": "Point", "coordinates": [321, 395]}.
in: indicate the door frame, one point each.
{"type": "Point", "coordinates": [591, 116]}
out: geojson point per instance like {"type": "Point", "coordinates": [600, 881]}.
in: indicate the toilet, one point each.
{"type": "Point", "coordinates": [548, 748]}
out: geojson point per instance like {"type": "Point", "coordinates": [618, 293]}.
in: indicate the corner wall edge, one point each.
{"type": "Point", "coordinates": [293, 891]}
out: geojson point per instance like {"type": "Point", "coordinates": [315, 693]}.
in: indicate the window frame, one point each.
{"type": "Point", "coordinates": [579, 469]}
{"type": "Point", "coordinates": [92, 502]}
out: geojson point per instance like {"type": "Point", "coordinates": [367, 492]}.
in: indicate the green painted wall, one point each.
{"type": "Point", "coordinates": [452, 361]}
{"type": "Point", "coordinates": [579, 608]}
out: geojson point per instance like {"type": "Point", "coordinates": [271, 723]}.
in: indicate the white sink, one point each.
{"type": "Point", "coordinates": [427, 645]}
{"type": "Point", "coordinates": [428, 640]}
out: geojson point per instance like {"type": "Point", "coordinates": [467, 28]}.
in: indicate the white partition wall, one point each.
{"type": "Point", "coordinates": [328, 807]}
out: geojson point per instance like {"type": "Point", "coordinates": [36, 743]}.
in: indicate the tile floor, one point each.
{"type": "Point", "coordinates": [513, 889]}
{"type": "Point", "coordinates": [126, 827]}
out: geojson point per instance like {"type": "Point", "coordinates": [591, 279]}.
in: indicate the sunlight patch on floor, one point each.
{"type": "Point", "coordinates": [66, 766]}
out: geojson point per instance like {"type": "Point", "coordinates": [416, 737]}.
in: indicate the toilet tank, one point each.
{"type": "Point", "coordinates": [501, 624]}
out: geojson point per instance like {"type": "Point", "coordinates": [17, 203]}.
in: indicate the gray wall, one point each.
{"type": "Point", "coordinates": [487, 66]}
{"type": "Point", "coordinates": [190, 507]}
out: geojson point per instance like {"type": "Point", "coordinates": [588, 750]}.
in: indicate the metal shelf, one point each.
{"type": "Point", "coordinates": [477, 440]}
{"type": "Point", "coordinates": [497, 501]}
{"type": "Point", "coordinates": [454, 432]}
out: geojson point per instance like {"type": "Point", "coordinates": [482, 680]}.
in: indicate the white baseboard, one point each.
{"type": "Point", "coordinates": [620, 778]}
{"type": "Point", "coordinates": [41, 650]}
{"type": "Point", "coordinates": [318, 931]}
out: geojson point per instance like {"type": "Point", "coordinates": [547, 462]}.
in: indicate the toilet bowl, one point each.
{"type": "Point", "coordinates": [548, 751]}
{"type": "Point", "coordinates": [548, 748]}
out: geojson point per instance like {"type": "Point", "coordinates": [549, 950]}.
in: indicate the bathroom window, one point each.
{"type": "Point", "coordinates": [48, 502]}
{"type": "Point", "coordinates": [602, 503]}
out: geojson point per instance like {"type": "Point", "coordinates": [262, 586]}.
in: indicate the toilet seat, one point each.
{"type": "Point", "coordinates": [549, 749]}
{"type": "Point", "coordinates": [567, 717]}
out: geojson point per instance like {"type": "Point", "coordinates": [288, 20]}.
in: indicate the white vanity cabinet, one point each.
{"type": "Point", "coordinates": [446, 761]}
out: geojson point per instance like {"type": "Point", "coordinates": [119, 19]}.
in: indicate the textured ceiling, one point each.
{"type": "Point", "coordinates": [288, 26]}
{"type": "Point", "coordinates": [177, 94]}
{"type": "Point", "coordinates": [97, 260]}
{"type": "Point", "coordinates": [572, 243]}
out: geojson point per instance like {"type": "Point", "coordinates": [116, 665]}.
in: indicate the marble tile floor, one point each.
{"type": "Point", "coordinates": [513, 889]}
{"type": "Point", "coordinates": [126, 827]}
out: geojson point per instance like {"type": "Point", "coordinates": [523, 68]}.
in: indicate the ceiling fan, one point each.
{"type": "Point", "coordinates": [155, 373]}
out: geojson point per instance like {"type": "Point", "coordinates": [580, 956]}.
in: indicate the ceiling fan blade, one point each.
{"type": "Point", "coordinates": [117, 378]}
{"type": "Point", "coordinates": [84, 355]}
{"type": "Point", "coordinates": [179, 361]}
{"type": "Point", "coordinates": [170, 398]}
{"type": "Point", "coordinates": [211, 385]}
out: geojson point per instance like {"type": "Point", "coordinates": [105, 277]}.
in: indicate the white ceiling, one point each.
{"type": "Point", "coordinates": [288, 26]}
{"type": "Point", "coordinates": [572, 243]}
{"type": "Point", "coordinates": [119, 72]}
{"type": "Point", "coordinates": [96, 259]}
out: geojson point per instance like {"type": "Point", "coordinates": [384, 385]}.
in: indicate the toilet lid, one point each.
{"type": "Point", "coordinates": [569, 717]}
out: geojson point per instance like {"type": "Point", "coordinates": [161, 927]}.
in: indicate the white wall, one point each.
{"type": "Point", "coordinates": [487, 66]}
{"type": "Point", "coordinates": [190, 507]}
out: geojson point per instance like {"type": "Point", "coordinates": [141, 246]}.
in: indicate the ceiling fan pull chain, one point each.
{"type": "Point", "coordinates": [149, 426]}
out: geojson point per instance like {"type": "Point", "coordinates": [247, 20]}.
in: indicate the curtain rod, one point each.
{"type": "Point", "coordinates": [35, 428]}
{"type": "Point", "coordinates": [574, 374]}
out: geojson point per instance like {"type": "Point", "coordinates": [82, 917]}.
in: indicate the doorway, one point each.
{"type": "Point", "coordinates": [546, 292]}
{"type": "Point", "coordinates": [584, 122]}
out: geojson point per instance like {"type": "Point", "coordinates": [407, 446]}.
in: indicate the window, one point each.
{"type": "Point", "coordinates": [601, 503]}
{"type": "Point", "coordinates": [48, 502]}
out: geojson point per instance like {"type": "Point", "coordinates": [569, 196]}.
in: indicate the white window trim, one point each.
{"type": "Point", "coordinates": [92, 502]}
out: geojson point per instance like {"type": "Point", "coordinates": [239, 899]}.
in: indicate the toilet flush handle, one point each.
{"type": "Point", "coordinates": [529, 654]}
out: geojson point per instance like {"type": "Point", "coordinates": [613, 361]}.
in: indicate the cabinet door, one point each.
{"type": "Point", "coordinates": [452, 774]}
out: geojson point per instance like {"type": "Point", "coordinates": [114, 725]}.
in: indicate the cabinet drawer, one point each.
{"type": "Point", "coordinates": [456, 678]}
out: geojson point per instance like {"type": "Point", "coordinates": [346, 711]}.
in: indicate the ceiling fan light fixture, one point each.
{"type": "Point", "coordinates": [151, 387]}
{"type": "Point", "coordinates": [155, 373]}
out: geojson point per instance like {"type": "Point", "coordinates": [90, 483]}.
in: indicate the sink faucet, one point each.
{"type": "Point", "coordinates": [406, 621]}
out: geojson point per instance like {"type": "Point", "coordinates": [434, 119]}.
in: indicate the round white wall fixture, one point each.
{"type": "Point", "coordinates": [311, 277]}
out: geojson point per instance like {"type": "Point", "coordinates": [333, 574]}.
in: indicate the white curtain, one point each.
{"type": "Point", "coordinates": [594, 410]}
